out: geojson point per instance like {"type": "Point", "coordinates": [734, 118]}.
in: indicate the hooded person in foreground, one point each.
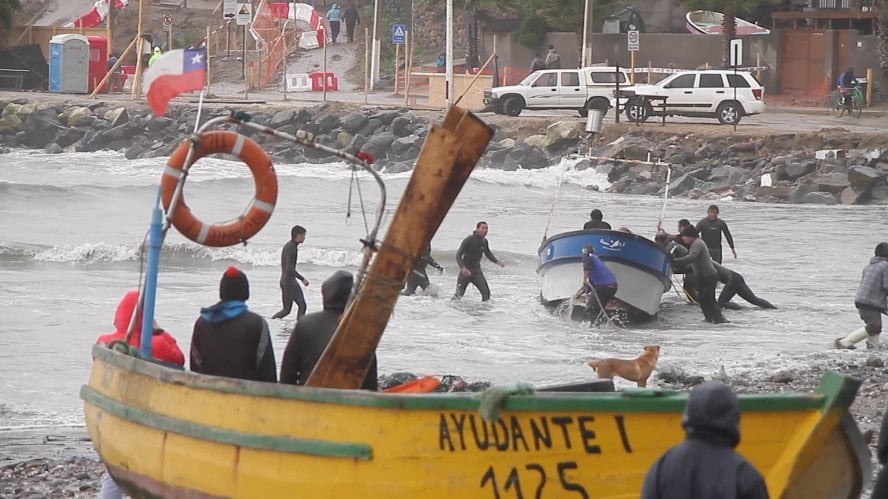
{"type": "Point", "coordinates": [705, 465]}
{"type": "Point", "coordinates": [163, 344]}
{"type": "Point", "coordinates": [229, 340]}
{"type": "Point", "coordinates": [313, 332]}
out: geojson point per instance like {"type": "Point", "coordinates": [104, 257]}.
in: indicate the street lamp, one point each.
{"type": "Point", "coordinates": [586, 57]}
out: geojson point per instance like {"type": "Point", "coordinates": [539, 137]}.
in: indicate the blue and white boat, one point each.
{"type": "Point", "coordinates": [643, 270]}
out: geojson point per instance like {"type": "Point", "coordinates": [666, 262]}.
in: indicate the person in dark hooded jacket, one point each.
{"type": "Point", "coordinates": [229, 340]}
{"type": "Point", "coordinates": [705, 465]}
{"type": "Point", "coordinates": [314, 331]}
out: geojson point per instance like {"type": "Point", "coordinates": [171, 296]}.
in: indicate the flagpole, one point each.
{"type": "Point", "coordinates": [137, 82]}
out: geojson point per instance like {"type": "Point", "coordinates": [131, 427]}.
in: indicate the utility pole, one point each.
{"type": "Point", "coordinates": [448, 73]}
{"type": "Point", "coordinates": [586, 57]}
{"type": "Point", "coordinates": [374, 57]}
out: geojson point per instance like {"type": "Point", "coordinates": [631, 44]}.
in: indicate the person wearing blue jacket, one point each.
{"type": "Point", "coordinates": [229, 340]}
{"type": "Point", "coordinates": [599, 283]}
{"type": "Point", "coordinates": [334, 17]}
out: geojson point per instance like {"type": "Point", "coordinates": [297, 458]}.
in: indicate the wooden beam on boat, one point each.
{"type": "Point", "coordinates": [448, 156]}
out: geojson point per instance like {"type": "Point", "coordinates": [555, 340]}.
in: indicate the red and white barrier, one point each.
{"type": "Point", "coordinates": [96, 15]}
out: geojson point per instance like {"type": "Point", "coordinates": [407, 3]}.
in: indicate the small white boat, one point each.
{"type": "Point", "coordinates": [707, 22]}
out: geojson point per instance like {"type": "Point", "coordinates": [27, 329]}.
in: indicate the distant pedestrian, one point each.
{"type": "Point", "coordinates": [595, 221]}
{"type": "Point", "coordinates": [706, 465]}
{"type": "Point", "coordinates": [291, 292]}
{"type": "Point", "coordinates": [711, 229]}
{"type": "Point", "coordinates": [154, 57]}
{"type": "Point", "coordinates": [553, 59]}
{"type": "Point", "coordinates": [115, 76]}
{"type": "Point", "coordinates": [468, 257]}
{"type": "Point", "coordinates": [537, 63]}
{"type": "Point", "coordinates": [352, 19]}
{"type": "Point", "coordinates": [334, 17]}
{"type": "Point", "coordinates": [871, 301]}
{"type": "Point", "coordinates": [230, 340]}
{"type": "Point", "coordinates": [705, 274]}
{"type": "Point", "coordinates": [441, 63]}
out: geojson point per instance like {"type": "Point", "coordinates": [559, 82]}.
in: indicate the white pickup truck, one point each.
{"type": "Point", "coordinates": [581, 89]}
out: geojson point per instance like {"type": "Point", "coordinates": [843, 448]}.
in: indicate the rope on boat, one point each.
{"type": "Point", "coordinates": [493, 398]}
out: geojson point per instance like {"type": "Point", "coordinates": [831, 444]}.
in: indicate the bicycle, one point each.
{"type": "Point", "coordinates": [839, 106]}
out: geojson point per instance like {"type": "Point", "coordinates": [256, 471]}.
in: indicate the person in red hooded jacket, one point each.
{"type": "Point", "coordinates": [163, 345]}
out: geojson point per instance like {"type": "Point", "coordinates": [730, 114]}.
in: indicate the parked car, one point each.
{"type": "Point", "coordinates": [709, 93]}
{"type": "Point", "coordinates": [581, 89]}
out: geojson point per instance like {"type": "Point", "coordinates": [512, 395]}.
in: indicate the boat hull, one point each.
{"type": "Point", "coordinates": [642, 269]}
{"type": "Point", "coordinates": [704, 22]}
{"type": "Point", "coordinates": [170, 433]}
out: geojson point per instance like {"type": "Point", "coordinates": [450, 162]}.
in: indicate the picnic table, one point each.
{"type": "Point", "coordinates": [16, 75]}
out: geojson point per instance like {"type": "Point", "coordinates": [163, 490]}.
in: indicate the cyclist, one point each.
{"type": "Point", "coordinates": [847, 81]}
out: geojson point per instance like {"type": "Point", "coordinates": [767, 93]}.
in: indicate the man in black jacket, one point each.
{"type": "Point", "coordinates": [229, 340]}
{"type": "Point", "coordinates": [705, 465]}
{"type": "Point", "coordinates": [419, 278]}
{"type": "Point", "coordinates": [352, 19]}
{"type": "Point", "coordinates": [468, 257]}
{"type": "Point", "coordinates": [290, 290]}
{"type": "Point", "coordinates": [711, 229]}
{"type": "Point", "coordinates": [314, 331]}
{"type": "Point", "coordinates": [596, 221]}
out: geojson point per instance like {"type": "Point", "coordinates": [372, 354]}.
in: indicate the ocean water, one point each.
{"type": "Point", "coordinates": [71, 227]}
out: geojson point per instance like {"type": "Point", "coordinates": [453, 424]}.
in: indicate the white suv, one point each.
{"type": "Point", "coordinates": [709, 93]}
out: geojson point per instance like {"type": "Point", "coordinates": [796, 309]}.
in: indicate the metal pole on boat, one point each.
{"type": "Point", "coordinates": [665, 196]}
{"type": "Point", "coordinates": [155, 241]}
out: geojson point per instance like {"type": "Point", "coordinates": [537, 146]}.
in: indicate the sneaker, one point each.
{"type": "Point", "coordinates": [838, 344]}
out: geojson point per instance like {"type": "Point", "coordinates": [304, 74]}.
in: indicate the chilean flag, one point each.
{"type": "Point", "coordinates": [175, 72]}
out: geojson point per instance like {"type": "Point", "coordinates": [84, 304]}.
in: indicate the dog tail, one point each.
{"type": "Point", "coordinates": [593, 364]}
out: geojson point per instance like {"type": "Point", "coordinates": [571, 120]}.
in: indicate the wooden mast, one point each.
{"type": "Point", "coordinates": [447, 158]}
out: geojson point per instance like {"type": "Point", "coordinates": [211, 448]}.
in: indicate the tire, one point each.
{"type": "Point", "coordinates": [858, 105]}
{"type": "Point", "coordinates": [595, 103]}
{"type": "Point", "coordinates": [638, 111]}
{"type": "Point", "coordinates": [834, 97]}
{"type": "Point", "coordinates": [839, 108]}
{"type": "Point", "coordinates": [729, 113]}
{"type": "Point", "coordinates": [512, 106]}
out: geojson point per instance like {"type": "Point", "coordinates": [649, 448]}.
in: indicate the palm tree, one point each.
{"type": "Point", "coordinates": [882, 34]}
{"type": "Point", "coordinates": [7, 13]}
{"type": "Point", "coordinates": [730, 9]}
{"type": "Point", "coordinates": [567, 15]}
{"type": "Point", "coordinates": [473, 8]}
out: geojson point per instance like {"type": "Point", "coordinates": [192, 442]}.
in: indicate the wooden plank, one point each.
{"type": "Point", "coordinates": [447, 157]}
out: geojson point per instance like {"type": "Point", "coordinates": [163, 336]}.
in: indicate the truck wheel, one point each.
{"type": "Point", "coordinates": [512, 106]}
{"type": "Point", "coordinates": [729, 113]}
{"type": "Point", "coordinates": [596, 103]}
{"type": "Point", "coordinates": [638, 111]}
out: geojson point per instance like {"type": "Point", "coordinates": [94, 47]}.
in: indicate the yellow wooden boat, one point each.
{"type": "Point", "coordinates": [163, 432]}
{"type": "Point", "coordinates": [169, 433]}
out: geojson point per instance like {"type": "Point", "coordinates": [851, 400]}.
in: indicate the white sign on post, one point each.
{"type": "Point", "coordinates": [229, 10]}
{"type": "Point", "coordinates": [244, 14]}
{"type": "Point", "coordinates": [167, 23]}
{"type": "Point", "coordinates": [632, 40]}
{"type": "Point", "coordinates": [736, 52]}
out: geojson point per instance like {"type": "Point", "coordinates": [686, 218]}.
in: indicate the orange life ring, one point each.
{"type": "Point", "coordinates": [258, 211]}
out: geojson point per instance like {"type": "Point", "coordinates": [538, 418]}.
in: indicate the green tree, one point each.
{"type": "Point", "coordinates": [567, 15]}
{"type": "Point", "coordinates": [731, 10]}
{"type": "Point", "coordinates": [7, 14]}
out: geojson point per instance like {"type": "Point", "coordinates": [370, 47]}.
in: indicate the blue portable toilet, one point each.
{"type": "Point", "coordinates": [69, 64]}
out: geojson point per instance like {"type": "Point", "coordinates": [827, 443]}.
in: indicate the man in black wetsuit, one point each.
{"type": "Point", "coordinates": [711, 229]}
{"type": "Point", "coordinates": [290, 290]}
{"type": "Point", "coordinates": [468, 257]}
{"type": "Point", "coordinates": [596, 221]}
{"type": "Point", "coordinates": [735, 284]}
{"type": "Point", "coordinates": [419, 278]}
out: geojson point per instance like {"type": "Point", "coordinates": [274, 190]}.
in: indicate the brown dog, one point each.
{"type": "Point", "coordinates": [637, 369]}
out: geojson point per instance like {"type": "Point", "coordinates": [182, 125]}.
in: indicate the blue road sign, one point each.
{"type": "Point", "coordinates": [399, 34]}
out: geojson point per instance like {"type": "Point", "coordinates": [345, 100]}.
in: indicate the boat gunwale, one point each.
{"type": "Point", "coordinates": [629, 401]}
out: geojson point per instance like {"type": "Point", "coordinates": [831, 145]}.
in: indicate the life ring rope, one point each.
{"type": "Point", "coordinates": [258, 210]}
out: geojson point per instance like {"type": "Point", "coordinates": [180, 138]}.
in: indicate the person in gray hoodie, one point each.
{"type": "Point", "coordinates": [705, 274]}
{"type": "Point", "coordinates": [314, 331]}
{"type": "Point", "coordinates": [706, 465]}
{"type": "Point", "coordinates": [871, 301]}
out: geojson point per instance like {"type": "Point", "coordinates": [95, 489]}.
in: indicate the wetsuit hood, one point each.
{"type": "Point", "coordinates": [877, 259]}
{"type": "Point", "coordinates": [336, 290]}
{"type": "Point", "coordinates": [712, 414]}
{"type": "Point", "coordinates": [125, 311]}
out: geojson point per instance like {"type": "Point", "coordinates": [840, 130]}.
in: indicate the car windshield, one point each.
{"type": "Point", "coordinates": [529, 79]}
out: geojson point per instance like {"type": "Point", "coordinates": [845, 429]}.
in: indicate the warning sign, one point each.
{"type": "Point", "coordinates": [244, 14]}
{"type": "Point", "coordinates": [633, 40]}
{"type": "Point", "coordinates": [399, 34]}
